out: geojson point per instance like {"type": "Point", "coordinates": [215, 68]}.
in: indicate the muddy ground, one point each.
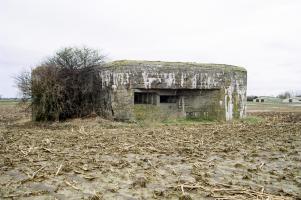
{"type": "Point", "coordinates": [257, 158]}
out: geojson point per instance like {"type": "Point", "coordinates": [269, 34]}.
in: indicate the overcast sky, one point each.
{"type": "Point", "coordinates": [262, 36]}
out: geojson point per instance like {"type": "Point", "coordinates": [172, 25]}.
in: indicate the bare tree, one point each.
{"type": "Point", "coordinates": [23, 83]}
{"type": "Point", "coordinates": [298, 93]}
{"type": "Point", "coordinates": [76, 58]}
{"type": "Point", "coordinates": [285, 95]}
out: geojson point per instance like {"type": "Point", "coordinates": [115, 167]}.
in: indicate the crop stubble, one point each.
{"type": "Point", "coordinates": [99, 159]}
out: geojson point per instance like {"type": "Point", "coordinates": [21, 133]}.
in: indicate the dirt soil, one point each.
{"type": "Point", "coordinates": [99, 159]}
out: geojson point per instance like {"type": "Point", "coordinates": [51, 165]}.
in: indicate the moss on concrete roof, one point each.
{"type": "Point", "coordinates": [144, 63]}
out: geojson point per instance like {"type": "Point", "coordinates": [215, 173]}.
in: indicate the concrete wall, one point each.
{"type": "Point", "coordinates": [217, 91]}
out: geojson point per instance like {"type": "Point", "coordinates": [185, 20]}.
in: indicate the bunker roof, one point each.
{"type": "Point", "coordinates": [128, 64]}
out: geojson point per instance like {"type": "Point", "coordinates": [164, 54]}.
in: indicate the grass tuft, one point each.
{"type": "Point", "coordinates": [253, 120]}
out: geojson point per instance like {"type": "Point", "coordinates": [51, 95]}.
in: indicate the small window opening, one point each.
{"type": "Point", "coordinates": [262, 100]}
{"type": "Point", "coordinates": [168, 99]}
{"type": "Point", "coordinates": [143, 98]}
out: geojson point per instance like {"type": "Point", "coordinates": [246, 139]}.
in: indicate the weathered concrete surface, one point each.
{"type": "Point", "coordinates": [210, 91]}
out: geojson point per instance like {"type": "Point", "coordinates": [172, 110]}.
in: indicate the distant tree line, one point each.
{"type": "Point", "coordinates": [63, 86]}
{"type": "Point", "coordinates": [251, 98]}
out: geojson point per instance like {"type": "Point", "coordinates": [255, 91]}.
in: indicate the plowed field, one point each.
{"type": "Point", "coordinates": [256, 158]}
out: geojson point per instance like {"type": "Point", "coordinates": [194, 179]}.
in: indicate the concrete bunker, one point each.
{"type": "Point", "coordinates": [175, 89]}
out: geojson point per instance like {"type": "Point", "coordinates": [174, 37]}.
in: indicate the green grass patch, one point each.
{"type": "Point", "coordinates": [253, 120]}
{"type": "Point", "coordinates": [185, 120]}
{"type": "Point", "coordinates": [148, 113]}
{"type": "Point", "coordinates": [151, 115]}
{"type": "Point", "coordinates": [8, 102]}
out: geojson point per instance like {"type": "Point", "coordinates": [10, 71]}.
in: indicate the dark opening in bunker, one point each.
{"type": "Point", "coordinates": [168, 99]}
{"type": "Point", "coordinates": [143, 98]}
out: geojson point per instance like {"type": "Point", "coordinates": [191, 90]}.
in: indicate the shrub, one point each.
{"type": "Point", "coordinates": [64, 86]}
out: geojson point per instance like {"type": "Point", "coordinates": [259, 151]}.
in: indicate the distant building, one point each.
{"type": "Point", "coordinates": [292, 100]}
{"type": "Point", "coordinates": [267, 99]}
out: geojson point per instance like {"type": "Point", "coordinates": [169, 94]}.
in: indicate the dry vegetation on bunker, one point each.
{"type": "Point", "coordinates": [258, 158]}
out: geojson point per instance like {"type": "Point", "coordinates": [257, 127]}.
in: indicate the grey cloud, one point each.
{"type": "Point", "coordinates": [263, 36]}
